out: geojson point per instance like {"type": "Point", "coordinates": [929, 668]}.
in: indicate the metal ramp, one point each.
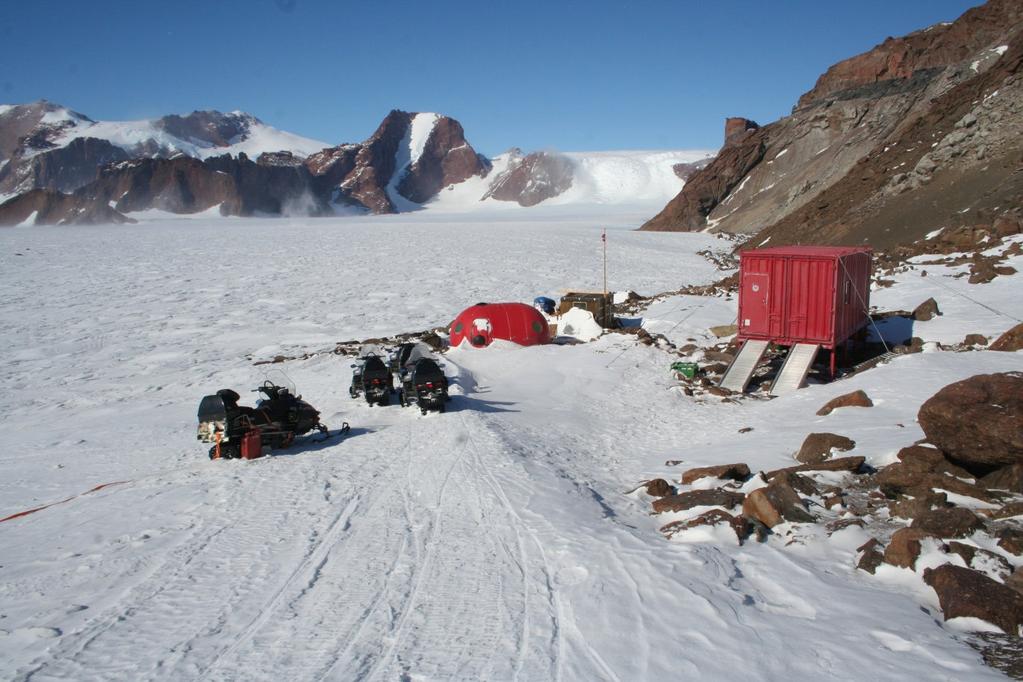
{"type": "Point", "coordinates": [741, 370]}
{"type": "Point", "coordinates": [797, 365]}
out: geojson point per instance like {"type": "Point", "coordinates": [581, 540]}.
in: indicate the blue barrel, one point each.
{"type": "Point", "coordinates": [545, 304]}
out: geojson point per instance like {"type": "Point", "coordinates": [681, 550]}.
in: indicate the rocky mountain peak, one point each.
{"type": "Point", "coordinates": [209, 127]}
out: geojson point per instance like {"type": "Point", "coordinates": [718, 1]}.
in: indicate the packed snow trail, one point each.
{"type": "Point", "coordinates": [495, 541]}
{"type": "Point", "coordinates": [403, 558]}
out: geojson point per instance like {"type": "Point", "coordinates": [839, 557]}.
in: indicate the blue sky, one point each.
{"type": "Point", "coordinates": [573, 76]}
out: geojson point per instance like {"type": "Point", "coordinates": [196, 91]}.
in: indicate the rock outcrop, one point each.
{"type": "Point", "coordinates": [383, 171]}
{"type": "Point", "coordinates": [45, 207]}
{"type": "Point", "coordinates": [533, 178]}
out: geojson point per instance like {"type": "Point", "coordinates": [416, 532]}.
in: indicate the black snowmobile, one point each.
{"type": "Point", "coordinates": [239, 431]}
{"type": "Point", "coordinates": [425, 384]}
{"type": "Point", "coordinates": [372, 378]}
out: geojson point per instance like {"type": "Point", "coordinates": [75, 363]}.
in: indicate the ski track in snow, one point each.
{"type": "Point", "coordinates": [495, 541]}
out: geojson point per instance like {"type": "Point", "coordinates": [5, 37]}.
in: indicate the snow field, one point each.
{"type": "Point", "coordinates": [496, 541]}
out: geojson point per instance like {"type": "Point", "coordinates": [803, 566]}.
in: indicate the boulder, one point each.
{"type": "Point", "coordinates": [698, 498]}
{"type": "Point", "coordinates": [1011, 540]}
{"type": "Point", "coordinates": [714, 517]}
{"type": "Point", "coordinates": [1005, 512]}
{"type": "Point", "coordinates": [904, 547]}
{"type": "Point", "coordinates": [983, 270]}
{"type": "Point", "coordinates": [658, 487]}
{"type": "Point", "coordinates": [1010, 341]}
{"type": "Point", "coordinates": [854, 399]}
{"type": "Point", "coordinates": [735, 472]}
{"type": "Point", "coordinates": [818, 447]}
{"type": "Point", "coordinates": [914, 345]}
{"type": "Point", "coordinates": [912, 506]}
{"type": "Point", "coordinates": [1015, 581]}
{"type": "Point", "coordinates": [977, 422]}
{"type": "Point", "coordinates": [963, 592]}
{"type": "Point", "coordinates": [872, 556]}
{"type": "Point", "coordinates": [975, 340]}
{"type": "Point", "coordinates": [804, 485]}
{"type": "Point", "coordinates": [901, 479]}
{"type": "Point", "coordinates": [1006, 225]}
{"type": "Point", "coordinates": [930, 460]}
{"type": "Point", "coordinates": [979, 559]}
{"type": "Point", "coordinates": [1007, 478]}
{"type": "Point", "coordinates": [838, 464]}
{"type": "Point", "coordinates": [951, 522]}
{"type": "Point", "coordinates": [774, 504]}
{"type": "Point", "coordinates": [926, 310]}
{"type": "Point", "coordinates": [713, 355]}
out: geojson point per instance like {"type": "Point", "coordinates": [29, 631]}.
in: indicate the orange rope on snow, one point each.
{"type": "Point", "coordinates": [53, 504]}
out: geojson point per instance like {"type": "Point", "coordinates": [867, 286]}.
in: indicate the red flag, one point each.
{"type": "Point", "coordinates": [603, 236]}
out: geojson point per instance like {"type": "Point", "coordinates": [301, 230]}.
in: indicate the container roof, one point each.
{"type": "Point", "coordinates": [814, 251]}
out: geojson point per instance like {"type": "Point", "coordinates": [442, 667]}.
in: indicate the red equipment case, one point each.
{"type": "Point", "coordinates": [252, 444]}
{"type": "Point", "coordinates": [804, 294]}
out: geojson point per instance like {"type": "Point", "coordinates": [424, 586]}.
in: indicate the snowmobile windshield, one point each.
{"type": "Point", "coordinates": [370, 350]}
{"type": "Point", "coordinates": [279, 378]}
{"type": "Point", "coordinates": [416, 353]}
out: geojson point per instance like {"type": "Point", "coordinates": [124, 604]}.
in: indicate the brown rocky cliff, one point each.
{"type": "Point", "coordinates": [854, 112]}
{"type": "Point", "coordinates": [360, 174]}
{"type": "Point", "coordinates": [533, 178]}
{"type": "Point", "coordinates": [736, 126]}
{"type": "Point", "coordinates": [447, 159]}
{"type": "Point", "coordinates": [963, 153]}
{"type": "Point", "coordinates": [63, 169]}
{"type": "Point", "coordinates": [47, 207]}
{"type": "Point", "coordinates": [706, 188]}
{"type": "Point", "coordinates": [930, 48]}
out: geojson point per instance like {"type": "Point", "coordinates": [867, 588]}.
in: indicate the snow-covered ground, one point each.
{"type": "Point", "coordinates": [496, 541]}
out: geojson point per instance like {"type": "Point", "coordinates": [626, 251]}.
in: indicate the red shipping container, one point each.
{"type": "Point", "coordinates": [252, 444]}
{"type": "Point", "coordinates": [804, 294]}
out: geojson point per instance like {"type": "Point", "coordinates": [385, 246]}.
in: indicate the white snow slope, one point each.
{"type": "Point", "coordinates": [495, 541]}
{"type": "Point", "coordinates": [626, 180]}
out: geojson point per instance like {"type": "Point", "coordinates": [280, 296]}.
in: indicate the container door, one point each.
{"type": "Point", "coordinates": [755, 314]}
{"type": "Point", "coordinates": [481, 333]}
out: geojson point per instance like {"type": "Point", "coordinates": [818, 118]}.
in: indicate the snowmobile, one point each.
{"type": "Point", "coordinates": [239, 431]}
{"type": "Point", "coordinates": [425, 384]}
{"type": "Point", "coordinates": [372, 378]}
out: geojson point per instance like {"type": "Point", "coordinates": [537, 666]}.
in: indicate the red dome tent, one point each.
{"type": "Point", "coordinates": [516, 322]}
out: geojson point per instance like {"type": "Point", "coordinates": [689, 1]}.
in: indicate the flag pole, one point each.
{"type": "Point", "coordinates": [603, 238]}
{"type": "Point", "coordinates": [604, 306]}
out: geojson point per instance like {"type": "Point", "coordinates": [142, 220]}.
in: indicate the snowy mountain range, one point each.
{"type": "Point", "coordinates": [58, 166]}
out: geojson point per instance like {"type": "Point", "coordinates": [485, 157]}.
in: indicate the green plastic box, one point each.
{"type": "Point", "coordinates": [685, 369]}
